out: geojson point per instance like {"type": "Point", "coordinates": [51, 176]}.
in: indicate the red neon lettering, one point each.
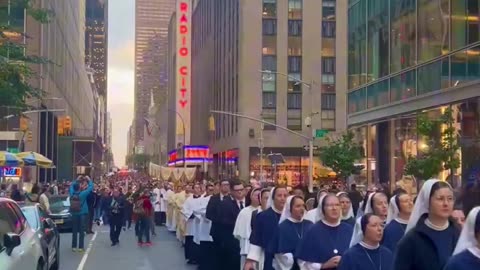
{"type": "Point", "coordinates": [183, 19]}
{"type": "Point", "coordinates": [183, 7]}
{"type": "Point", "coordinates": [184, 71]}
{"type": "Point", "coordinates": [183, 51]}
{"type": "Point", "coordinates": [184, 40]}
{"type": "Point", "coordinates": [183, 82]}
{"type": "Point", "coordinates": [183, 92]}
{"type": "Point", "coordinates": [183, 29]}
{"type": "Point", "coordinates": [183, 103]}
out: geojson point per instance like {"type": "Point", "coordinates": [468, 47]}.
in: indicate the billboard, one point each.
{"type": "Point", "coordinates": [183, 65]}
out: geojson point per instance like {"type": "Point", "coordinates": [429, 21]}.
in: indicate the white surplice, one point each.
{"type": "Point", "coordinates": [157, 201]}
{"type": "Point", "coordinates": [202, 224]}
{"type": "Point", "coordinates": [170, 223]}
{"type": "Point", "coordinates": [243, 228]}
{"type": "Point", "coordinates": [163, 200]}
{"type": "Point", "coordinates": [189, 206]}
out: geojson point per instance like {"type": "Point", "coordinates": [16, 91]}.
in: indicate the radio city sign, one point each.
{"type": "Point", "coordinates": [184, 53]}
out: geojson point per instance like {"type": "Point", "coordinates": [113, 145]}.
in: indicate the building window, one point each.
{"type": "Point", "coordinates": [269, 27]}
{"type": "Point", "coordinates": [294, 84]}
{"type": "Point", "coordinates": [269, 115]}
{"type": "Point", "coordinates": [328, 119]}
{"type": "Point", "coordinates": [403, 86]}
{"type": "Point", "coordinates": [328, 101]}
{"type": "Point", "coordinates": [328, 79]}
{"type": "Point", "coordinates": [433, 26]}
{"type": "Point", "coordinates": [357, 101]}
{"type": "Point", "coordinates": [294, 64]}
{"type": "Point", "coordinates": [269, 100]}
{"type": "Point", "coordinates": [378, 94]}
{"type": "Point", "coordinates": [269, 8]}
{"type": "Point", "coordinates": [328, 29]}
{"type": "Point", "coordinates": [435, 76]}
{"type": "Point", "coordinates": [269, 82]}
{"type": "Point", "coordinates": [295, 9]}
{"type": "Point", "coordinates": [328, 65]}
{"type": "Point", "coordinates": [294, 123]}
{"type": "Point", "coordinates": [269, 62]}
{"type": "Point", "coordinates": [269, 45]}
{"type": "Point", "coordinates": [295, 28]}
{"type": "Point", "coordinates": [328, 10]}
{"type": "Point", "coordinates": [294, 100]}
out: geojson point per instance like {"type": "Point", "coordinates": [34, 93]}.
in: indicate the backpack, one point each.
{"type": "Point", "coordinates": [75, 203]}
{"type": "Point", "coordinates": [138, 208]}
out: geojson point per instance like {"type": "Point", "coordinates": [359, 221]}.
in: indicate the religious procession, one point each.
{"type": "Point", "coordinates": [233, 225]}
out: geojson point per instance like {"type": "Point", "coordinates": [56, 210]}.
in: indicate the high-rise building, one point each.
{"type": "Point", "coordinates": [407, 57]}
{"type": "Point", "coordinates": [67, 86]}
{"type": "Point", "coordinates": [292, 41]}
{"type": "Point", "coordinates": [151, 39]}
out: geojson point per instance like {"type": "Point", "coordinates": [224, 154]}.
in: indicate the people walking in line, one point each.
{"type": "Point", "coordinates": [79, 191]}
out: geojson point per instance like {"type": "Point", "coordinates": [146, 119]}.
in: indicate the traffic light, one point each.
{"type": "Point", "coordinates": [61, 126]}
{"type": "Point", "coordinates": [23, 123]}
{"type": "Point", "coordinates": [67, 123]}
{"type": "Point", "coordinates": [29, 136]}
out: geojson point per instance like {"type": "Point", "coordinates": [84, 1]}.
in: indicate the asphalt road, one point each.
{"type": "Point", "coordinates": [165, 254]}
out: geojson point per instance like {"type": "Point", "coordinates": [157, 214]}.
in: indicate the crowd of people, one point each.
{"type": "Point", "coordinates": [233, 225]}
{"type": "Point", "coordinates": [229, 225]}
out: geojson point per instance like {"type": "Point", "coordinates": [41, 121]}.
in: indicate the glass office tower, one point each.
{"type": "Point", "coordinates": [408, 56]}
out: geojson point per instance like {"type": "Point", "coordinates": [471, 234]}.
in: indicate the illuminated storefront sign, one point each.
{"type": "Point", "coordinates": [193, 154]}
{"type": "Point", "coordinates": [12, 172]}
{"type": "Point", "coordinates": [184, 75]}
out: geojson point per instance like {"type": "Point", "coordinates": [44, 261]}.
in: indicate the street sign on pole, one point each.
{"type": "Point", "coordinates": [306, 147]}
{"type": "Point", "coordinates": [320, 133]}
{"type": "Point", "coordinates": [12, 150]}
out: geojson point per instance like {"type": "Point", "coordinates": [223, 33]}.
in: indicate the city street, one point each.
{"type": "Point", "coordinates": [166, 252]}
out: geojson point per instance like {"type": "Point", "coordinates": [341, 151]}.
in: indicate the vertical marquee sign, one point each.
{"type": "Point", "coordinates": [183, 17]}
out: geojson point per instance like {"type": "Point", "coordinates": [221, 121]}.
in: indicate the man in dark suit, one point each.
{"type": "Point", "coordinates": [229, 209]}
{"type": "Point", "coordinates": [213, 211]}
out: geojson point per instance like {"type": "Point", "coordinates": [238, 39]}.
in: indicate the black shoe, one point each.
{"type": "Point", "coordinates": [114, 244]}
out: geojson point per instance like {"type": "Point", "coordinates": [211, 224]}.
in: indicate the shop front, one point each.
{"type": "Point", "coordinates": [388, 145]}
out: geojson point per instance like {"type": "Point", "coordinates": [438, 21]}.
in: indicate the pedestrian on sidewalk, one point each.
{"type": "Point", "coordinates": [143, 209]}
{"type": "Point", "coordinates": [79, 190]}
{"type": "Point", "coordinates": [117, 209]}
{"type": "Point", "coordinates": [128, 210]}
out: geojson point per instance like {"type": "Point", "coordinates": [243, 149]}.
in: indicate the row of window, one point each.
{"type": "Point", "coordinates": [294, 119]}
{"type": "Point", "coordinates": [451, 71]}
{"type": "Point", "coordinates": [269, 28]}
{"type": "Point", "coordinates": [294, 101]}
{"type": "Point", "coordinates": [295, 9]}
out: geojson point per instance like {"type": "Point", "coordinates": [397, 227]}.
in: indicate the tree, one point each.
{"type": "Point", "coordinates": [439, 152]}
{"type": "Point", "coordinates": [341, 154]}
{"type": "Point", "coordinates": [16, 69]}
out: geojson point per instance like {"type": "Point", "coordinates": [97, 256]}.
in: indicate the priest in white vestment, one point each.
{"type": "Point", "coordinates": [188, 207]}
{"type": "Point", "coordinates": [202, 235]}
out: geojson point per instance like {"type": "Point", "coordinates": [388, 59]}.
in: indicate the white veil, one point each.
{"type": "Point", "coordinates": [422, 204]}
{"type": "Point", "coordinates": [350, 211]}
{"type": "Point", "coordinates": [467, 237]}
{"type": "Point", "coordinates": [270, 198]}
{"type": "Point", "coordinates": [357, 235]}
{"type": "Point", "coordinates": [393, 210]}
{"type": "Point", "coordinates": [286, 213]}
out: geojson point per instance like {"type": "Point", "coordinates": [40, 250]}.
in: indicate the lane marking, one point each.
{"type": "Point", "coordinates": [85, 256]}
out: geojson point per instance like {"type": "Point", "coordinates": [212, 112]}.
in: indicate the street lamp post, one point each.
{"type": "Point", "coordinates": [183, 124]}
{"type": "Point", "coordinates": [308, 138]}
{"type": "Point", "coordinates": [308, 122]}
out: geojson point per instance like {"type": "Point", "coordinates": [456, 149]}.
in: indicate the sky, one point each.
{"type": "Point", "coordinates": [121, 52]}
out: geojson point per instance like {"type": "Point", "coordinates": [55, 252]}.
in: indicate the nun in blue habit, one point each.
{"type": "Point", "coordinates": [290, 232]}
{"type": "Point", "coordinates": [347, 208]}
{"type": "Point", "coordinates": [327, 240]}
{"type": "Point", "coordinates": [368, 254]}
{"type": "Point", "coordinates": [266, 226]}
{"type": "Point", "coordinates": [467, 252]}
{"type": "Point", "coordinates": [399, 211]}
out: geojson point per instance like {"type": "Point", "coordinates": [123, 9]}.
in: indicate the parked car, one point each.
{"type": "Point", "coordinates": [47, 232]}
{"type": "Point", "coordinates": [20, 248]}
{"type": "Point", "coordinates": [60, 212]}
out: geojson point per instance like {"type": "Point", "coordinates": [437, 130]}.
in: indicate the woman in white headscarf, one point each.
{"type": "Point", "coordinates": [399, 211]}
{"type": "Point", "coordinates": [312, 214]}
{"type": "Point", "coordinates": [290, 231]}
{"type": "Point", "coordinates": [431, 236]}
{"type": "Point", "coordinates": [376, 204]}
{"type": "Point", "coordinates": [347, 209]}
{"type": "Point", "coordinates": [324, 243]}
{"type": "Point", "coordinates": [266, 225]}
{"type": "Point", "coordinates": [467, 253]}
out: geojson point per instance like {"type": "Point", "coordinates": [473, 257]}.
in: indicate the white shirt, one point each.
{"type": "Point", "coordinates": [163, 200]}
{"type": "Point", "coordinates": [189, 206]}
{"type": "Point", "coordinates": [157, 202]}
